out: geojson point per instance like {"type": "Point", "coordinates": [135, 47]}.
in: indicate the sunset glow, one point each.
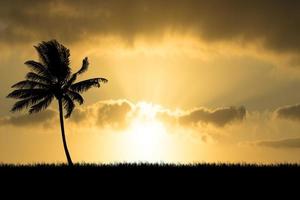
{"type": "Point", "coordinates": [188, 81]}
{"type": "Point", "coordinates": [146, 135]}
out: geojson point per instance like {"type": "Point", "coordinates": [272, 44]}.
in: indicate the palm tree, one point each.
{"type": "Point", "coordinates": [52, 78]}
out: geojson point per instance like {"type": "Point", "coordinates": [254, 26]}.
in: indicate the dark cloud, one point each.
{"type": "Point", "coordinates": [113, 114]}
{"type": "Point", "coordinates": [219, 117]}
{"type": "Point", "coordinates": [286, 143]}
{"type": "Point", "coordinates": [274, 22]}
{"type": "Point", "coordinates": [45, 118]}
{"type": "Point", "coordinates": [289, 112]}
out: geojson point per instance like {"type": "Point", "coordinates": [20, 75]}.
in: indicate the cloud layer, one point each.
{"type": "Point", "coordinates": [275, 23]}
{"type": "Point", "coordinates": [219, 116]}
{"type": "Point", "coordinates": [285, 143]}
{"type": "Point", "coordinates": [113, 114]}
{"type": "Point", "coordinates": [291, 112]}
{"type": "Point", "coordinates": [118, 114]}
{"type": "Point", "coordinates": [45, 118]}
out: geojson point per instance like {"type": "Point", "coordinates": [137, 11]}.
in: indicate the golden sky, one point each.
{"type": "Point", "coordinates": [189, 81]}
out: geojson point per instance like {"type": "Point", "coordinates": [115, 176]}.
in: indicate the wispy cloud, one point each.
{"type": "Point", "coordinates": [284, 143]}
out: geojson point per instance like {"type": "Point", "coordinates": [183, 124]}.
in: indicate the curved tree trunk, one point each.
{"type": "Point", "coordinates": [61, 118]}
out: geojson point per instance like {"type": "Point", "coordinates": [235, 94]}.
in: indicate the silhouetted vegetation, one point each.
{"type": "Point", "coordinates": [144, 179]}
{"type": "Point", "coordinates": [51, 78]}
{"type": "Point", "coordinates": [152, 171]}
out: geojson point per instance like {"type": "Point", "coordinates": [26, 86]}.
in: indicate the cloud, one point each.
{"type": "Point", "coordinates": [291, 112]}
{"type": "Point", "coordinates": [118, 114]}
{"type": "Point", "coordinates": [219, 117]}
{"type": "Point", "coordinates": [285, 143]}
{"type": "Point", "coordinates": [45, 118]}
{"type": "Point", "coordinates": [275, 23]}
{"type": "Point", "coordinates": [79, 115]}
{"type": "Point", "coordinates": [113, 113]}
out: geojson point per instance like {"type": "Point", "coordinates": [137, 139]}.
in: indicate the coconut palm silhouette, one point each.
{"type": "Point", "coordinates": [52, 78]}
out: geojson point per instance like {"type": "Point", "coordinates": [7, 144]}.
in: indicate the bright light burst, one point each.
{"type": "Point", "coordinates": [147, 135]}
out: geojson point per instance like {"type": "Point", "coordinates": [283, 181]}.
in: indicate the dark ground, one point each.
{"type": "Point", "coordinates": [195, 178]}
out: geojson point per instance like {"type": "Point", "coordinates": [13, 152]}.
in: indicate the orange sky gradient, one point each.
{"type": "Point", "coordinates": [189, 81]}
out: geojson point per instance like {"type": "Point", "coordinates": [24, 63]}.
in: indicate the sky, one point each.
{"type": "Point", "coordinates": [189, 81]}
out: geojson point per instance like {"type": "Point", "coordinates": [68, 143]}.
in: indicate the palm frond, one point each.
{"type": "Point", "coordinates": [84, 66]}
{"type": "Point", "coordinates": [30, 85]}
{"type": "Point", "coordinates": [64, 55]}
{"type": "Point", "coordinates": [75, 96]}
{"type": "Point", "coordinates": [27, 93]}
{"type": "Point", "coordinates": [68, 105]}
{"type": "Point", "coordinates": [25, 103]}
{"type": "Point", "coordinates": [42, 55]}
{"type": "Point", "coordinates": [39, 68]}
{"type": "Point", "coordinates": [35, 77]}
{"type": "Point", "coordinates": [70, 81]}
{"type": "Point", "coordinates": [57, 59]}
{"type": "Point", "coordinates": [87, 84]}
{"type": "Point", "coordinates": [41, 105]}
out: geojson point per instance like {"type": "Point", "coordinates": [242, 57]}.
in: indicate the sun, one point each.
{"type": "Point", "coordinates": [146, 135]}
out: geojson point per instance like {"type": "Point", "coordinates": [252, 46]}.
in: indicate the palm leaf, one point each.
{"type": "Point", "coordinates": [64, 55]}
{"type": "Point", "coordinates": [39, 68]}
{"type": "Point", "coordinates": [42, 54]}
{"type": "Point", "coordinates": [68, 105]}
{"type": "Point", "coordinates": [27, 93]}
{"type": "Point", "coordinates": [84, 66]}
{"type": "Point", "coordinates": [70, 81]}
{"type": "Point", "coordinates": [56, 58]}
{"type": "Point", "coordinates": [87, 84]}
{"type": "Point", "coordinates": [35, 77]}
{"type": "Point", "coordinates": [25, 103]}
{"type": "Point", "coordinates": [41, 105]}
{"type": "Point", "coordinates": [30, 85]}
{"type": "Point", "coordinates": [75, 96]}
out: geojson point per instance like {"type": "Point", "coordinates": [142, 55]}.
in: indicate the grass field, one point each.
{"type": "Point", "coordinates": [148, 170]}
{"type": "Point", "coordinates": [250, 179]}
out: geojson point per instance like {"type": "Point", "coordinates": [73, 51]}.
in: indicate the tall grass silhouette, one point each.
{"type": "Point", "coordinates": [154, 171]}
